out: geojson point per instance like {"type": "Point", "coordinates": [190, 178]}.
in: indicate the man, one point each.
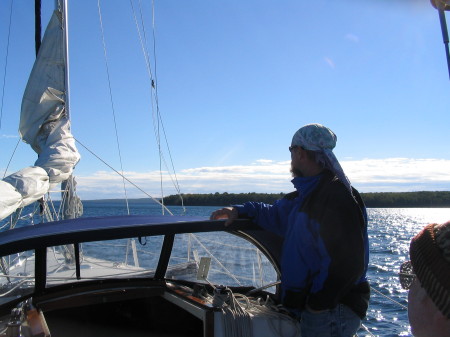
{"type": "Point", "coordinates": [427, 276]}
{"type": "Point", "coordinates": [325, 248]}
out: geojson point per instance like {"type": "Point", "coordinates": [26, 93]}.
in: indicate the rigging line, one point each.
{"type": "Point", "coordinates": [143, 45]}
{"type": "Point", "coordinates": [6, 62]}
{"type": "Point", "coordinates": [158, 121]}
{"type": "Point", "coordinates": [15, 287]}
{"type": "Point", "coordinates": [155, 112]}
{"type": "Point", "coordinates": [65, 198]}
{"type": "Point", "coordinates": [150, 73]}
{"type": "Point", "coordinates": [170, 175]}
{"type": "Point", "coordinates": [177, 186]}
{"type": "Point", "coordinates": [390, 299]}
{"type": "Point", "coordinates": [51, 213]}
{"type": "Point", "coordinates": [367, 330]}
{"type": "Point", "coordinates": [156, 124]}
{"type": "Point", "coordinates": [226, 271]}
{"type": "Point", "coordinates": [10, 159]}
{"type": "Point", "coordinates": [120, 174]}
{"type": "Point", "coordinates": [112, 103]}
{"type": "Point", "coordinates": [155, 86]}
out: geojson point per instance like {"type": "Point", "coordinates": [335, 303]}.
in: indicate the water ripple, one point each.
{"type": "Point", "coordinates": [390, 233]}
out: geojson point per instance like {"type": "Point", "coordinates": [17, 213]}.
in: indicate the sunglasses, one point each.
{"type": "Point", "coordinates": [406, 275]}
{"type": "Point", "coordinates": [293, 147]}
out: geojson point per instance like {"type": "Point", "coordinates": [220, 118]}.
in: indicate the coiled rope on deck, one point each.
{"type": "Point", "coordinates": [236, 321]}
{"type": "Point", "coordinates": [238, 311]}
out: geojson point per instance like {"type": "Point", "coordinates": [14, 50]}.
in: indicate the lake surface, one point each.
{"type": "Point", "coordinates": [390, 232]}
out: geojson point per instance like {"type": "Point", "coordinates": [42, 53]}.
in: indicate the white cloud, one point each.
{"type": "Point", "coordinates": [398, 169]}
{"type": "Point", "coordinates": [265, 161]}
{"type": "Point", "coordinates": [367, 175]}
{"type": "Point", "coordinates": [330, 62]}
{"type": "Point", "coordinates": [399, 174]}
{"type": "Point", "coordinates": [352, 38]}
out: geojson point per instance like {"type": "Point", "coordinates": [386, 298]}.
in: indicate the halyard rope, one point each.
{"type": "Point", "coordinates": [120, 174]}
{"type": "Point", "coordinates": [112, 103]}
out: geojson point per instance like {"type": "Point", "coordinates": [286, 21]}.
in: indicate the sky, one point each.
{"type": "Point", "coordinates": [235, 80]}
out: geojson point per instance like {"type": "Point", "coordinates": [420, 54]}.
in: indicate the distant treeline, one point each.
{"type": "Point", "coordinates": [407, 199]}
{"type": "Point", "coordinates": [372, 200]}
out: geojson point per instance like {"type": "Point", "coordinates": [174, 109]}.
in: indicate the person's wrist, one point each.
{"type": "Point", "coordinates": [234, 212]}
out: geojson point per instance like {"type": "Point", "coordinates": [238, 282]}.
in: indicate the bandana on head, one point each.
{"type": "Point", "coordinates": [320, 139]}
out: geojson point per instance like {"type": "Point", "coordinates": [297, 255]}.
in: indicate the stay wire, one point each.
{"type": "Point", "coordinates": [10, 159]}
{"type": "Point", "coordinates": [6, 62]}
{"type": "Point", "coordinates": [143, 42]}
{"type": "Point", "coordinates": [388, 298]}
{"type": "Point", "coordinates": [367, 330]}
{"type": "Point", "coordinates": [121, 175]}
{"type": "Point", "coordinates": [112, 103]}
{"type": "Point", "coordinates": [176, 184]}
{"type": "Point", "coordinates": [154, 86]}
{"type": "Point", "coordinates": [227, 272]}
{"type": "Point", "coordinates": [158, 124]}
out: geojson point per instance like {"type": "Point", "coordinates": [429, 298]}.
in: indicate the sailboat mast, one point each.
{"type": "Point", "coordinates": [67, 186]}
{"type": "Point", "coordinates": [37, 25]}
{"type": "Point", "coordinates": [65, 27]}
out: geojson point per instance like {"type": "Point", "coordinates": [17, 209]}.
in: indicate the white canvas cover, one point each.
{"type": "Point", "coordinates": [60, 154]}
{"type": "Point", "coordinates": [43, 99]}
{"type": "Point", "coordinates": [44, 124]}
{"type": "Point", "coordinates": [31, 182]}
{"type": "Point", "coordinates": [10, 199]}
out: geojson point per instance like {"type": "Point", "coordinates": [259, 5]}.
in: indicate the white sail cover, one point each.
{"type": "Point", "coordinates": [31, 182]}
{"type": "Point", "coordinates": [10, 199]}
{"type": "Point", "coordinates": [44, 123]}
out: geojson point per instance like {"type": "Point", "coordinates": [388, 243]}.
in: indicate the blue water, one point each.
{"type": "Point", "coordinates": [390, 232]}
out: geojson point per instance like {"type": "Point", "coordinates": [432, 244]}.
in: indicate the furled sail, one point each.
{"type": "Point", "coordinates": [45, 125]}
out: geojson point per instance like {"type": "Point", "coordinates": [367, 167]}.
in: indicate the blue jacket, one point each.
{"type": "Point", "coordinates": [325, 249]}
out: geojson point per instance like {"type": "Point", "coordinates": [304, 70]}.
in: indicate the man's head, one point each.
{"type": "Point", "coordinates": [318, 142]}
{"type": "Point", "coordinates": [304, 162]}
{"type": "Point", "coordinates": [314, 137]}
{"type": "Point", "coordinates": [429, 294]}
